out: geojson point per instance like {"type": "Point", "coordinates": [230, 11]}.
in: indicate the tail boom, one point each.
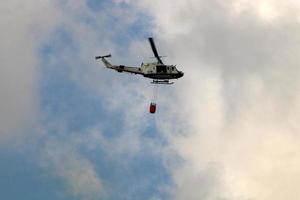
{"type": "Point", "coordinates": [119, 68]}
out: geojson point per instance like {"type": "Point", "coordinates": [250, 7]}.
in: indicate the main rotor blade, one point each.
{"type": "Point", "coordinates": [155, 51]}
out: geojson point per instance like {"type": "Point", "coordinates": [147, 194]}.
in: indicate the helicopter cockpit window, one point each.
{"type": "Point", "coordinates": [161, 69]}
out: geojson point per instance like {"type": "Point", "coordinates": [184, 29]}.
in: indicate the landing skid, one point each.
{"type": "Point", "coordinates": [167, 82]}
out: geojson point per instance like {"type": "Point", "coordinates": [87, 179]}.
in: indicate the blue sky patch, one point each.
{"type": "Point", "coordinates": [21, 178]}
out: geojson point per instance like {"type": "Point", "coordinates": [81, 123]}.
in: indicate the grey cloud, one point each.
{"type": "Point", "coordinates": [19, 64]}
{"type": "Point", "coordinates": [238, 97]}
{"type": "Point", "coordinates": [25, 27]}
{"type": "Point", "coordinates": [206, 181]}
{"type": "Point", "coordinates": [62, 160]}
{"type": "Point", "coordinates": [242, 46]}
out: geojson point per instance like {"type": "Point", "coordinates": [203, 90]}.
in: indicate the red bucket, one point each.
{"type": "Point", "coordinates": [152, 108]}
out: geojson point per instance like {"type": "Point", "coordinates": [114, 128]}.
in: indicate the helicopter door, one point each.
{"type": "Point", "coordinates": [161, 69]}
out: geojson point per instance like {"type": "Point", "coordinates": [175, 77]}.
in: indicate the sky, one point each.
{"type": "Point", "coordinates": [227, 130]}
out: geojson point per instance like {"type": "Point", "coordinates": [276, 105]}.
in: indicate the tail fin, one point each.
{"type": "Point", "coordinates": [106, 56]}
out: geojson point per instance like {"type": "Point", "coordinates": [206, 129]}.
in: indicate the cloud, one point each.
{"type": "Point", "coordinates": [233, 118]}
{"type": "Point", "coordinates": [63, 161]}
{"type": "Point", "coordinates": [26, 26]}
{"type": "Point", "coordinates": [18, 73]}
{"type": "Point", "coordinates": [23, 26]}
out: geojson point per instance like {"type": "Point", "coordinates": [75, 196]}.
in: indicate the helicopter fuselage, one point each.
{"type": "Point", "coordinates": [160, 71]}
{"type": "Point", "coordinates": [149, 70]}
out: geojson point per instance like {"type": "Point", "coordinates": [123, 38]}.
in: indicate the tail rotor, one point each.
{"type": "Point", "coordinates": [100, 57]}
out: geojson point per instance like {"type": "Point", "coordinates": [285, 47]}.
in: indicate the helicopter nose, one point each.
{"type": "Point", "coordinates": [181, 74]}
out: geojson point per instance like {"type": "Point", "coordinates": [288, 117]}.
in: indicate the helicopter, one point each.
{"type": "Point", "coordinates": [157, 71]}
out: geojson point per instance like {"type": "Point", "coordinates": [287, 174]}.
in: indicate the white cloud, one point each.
{"type": "Point", "coordinates": [23, 25]}
{"type": "Point", "coordinates": [234, 118]}
{"type": "Point", "coordinates": [62, 160]}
